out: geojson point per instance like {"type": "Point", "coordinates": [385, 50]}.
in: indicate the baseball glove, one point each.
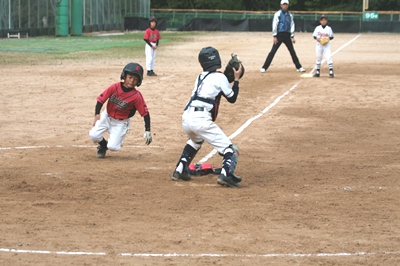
{"type": "Point", "coordinates": [234, 62]}
{"type": "Point", "coordinates": [324, 40]}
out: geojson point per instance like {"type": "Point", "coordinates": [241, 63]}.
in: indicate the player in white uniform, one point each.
{"type": "Point", "coordinates": [323, 31]}
{"type": "Point", "coordinates": [200, 114]}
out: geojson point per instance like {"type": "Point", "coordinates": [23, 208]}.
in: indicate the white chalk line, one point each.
{"type": "Point", "coordinates": [74, 146]}
{"type": "Point", "coordinates": [290, 255]}
{"type": "Point", "coordinates": [248, 122]}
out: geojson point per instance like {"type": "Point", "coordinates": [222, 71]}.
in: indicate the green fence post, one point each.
{"type": "Point", "coordinates": [62, 18]}
{"type": "Point", "coordinates": [76, 17]}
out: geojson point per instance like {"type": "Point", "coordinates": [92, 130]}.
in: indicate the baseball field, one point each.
{"type": "Point", "coordinates": [320, 157]}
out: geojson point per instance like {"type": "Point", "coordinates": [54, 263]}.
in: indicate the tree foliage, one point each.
{"type": "Point", "coordinates": [271, 5]}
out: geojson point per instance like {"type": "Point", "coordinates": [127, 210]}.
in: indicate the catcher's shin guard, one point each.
{"type": "Point", "coordinates": [230, 159]}
{"type": "Point", "coordinates": [187, 156]}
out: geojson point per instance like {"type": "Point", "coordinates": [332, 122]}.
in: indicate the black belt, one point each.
{"type": "Point", "coordinates": [199, 109]}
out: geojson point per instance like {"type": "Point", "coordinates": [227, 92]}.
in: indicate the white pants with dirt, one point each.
{"type": "Point", "coordinates": [199, 126]}
{"type": "Point", "coordinates": [150, 56]}
{"type": "Point", "coordinates": [116, 129]}
{"type": "Point", "coordinates": [323, 50]}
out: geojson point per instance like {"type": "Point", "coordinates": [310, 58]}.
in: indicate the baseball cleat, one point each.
{"type": "Point", "coordinates": [236, 178]}
{"type": "Point", "coordinates": [224, 180]}
{"type": "Point", "coordinates": [262, 70]}
{"type": "Point", "coordinates": [331, 75]}
{"type": "Point", "coordinates": [176, 176]}
{"type": "Point", "coordinates": [316, 75]}
{"type": "Point", "coordinates": [301, 70]}
{"type": "Point", "coordinates": [151, 73]}
{"type": "Point", "coordinates": [101, 151]}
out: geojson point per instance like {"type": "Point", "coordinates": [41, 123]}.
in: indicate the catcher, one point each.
{"type": "Point", "coordinates": [198, 119]}
{"type": "Point", "coordinates": [323, 34]}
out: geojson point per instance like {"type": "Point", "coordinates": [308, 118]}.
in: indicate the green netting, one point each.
{"type": "Point", "coordinates": [176, 19]}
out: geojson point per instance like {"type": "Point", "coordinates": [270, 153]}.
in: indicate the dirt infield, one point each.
{"type": "Point", "coordinates": [320, 166]}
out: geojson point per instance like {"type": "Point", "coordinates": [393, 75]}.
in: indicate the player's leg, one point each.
{"type": "Point", "coordinates": [318, 56]}
{"type": "Point", "coordinates": [210, 132]}
{"type": "Point", "coordinates": [153, 61]}
{"type": "Point", "coordinates": [118, 131]}
{"type": "Point", "coordinates": [96, 134]}
{"type": "Point", "coordinates": [328, 57]}
{"type": "Point", "coordinates": [189, 152]}
{"type": "Point", "coordinates": [149, 57]}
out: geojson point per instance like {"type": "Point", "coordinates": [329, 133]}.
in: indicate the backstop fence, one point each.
{"type": "Point", "coordinates": [38, 17]}
{"type": "Point", "coordinates": [210, 20]}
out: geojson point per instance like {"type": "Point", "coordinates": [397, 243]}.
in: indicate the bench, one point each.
{"type": "Point", "coordinates": [17, 33]}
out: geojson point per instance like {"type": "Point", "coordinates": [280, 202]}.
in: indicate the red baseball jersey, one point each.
{"type": "Point", "coordinates": [152, 35]}
{"type": "Point", "coordinates": [120, 103]}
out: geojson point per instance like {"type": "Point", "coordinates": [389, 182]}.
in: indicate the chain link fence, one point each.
{"type": "Point", "coordinates": [38, 16]}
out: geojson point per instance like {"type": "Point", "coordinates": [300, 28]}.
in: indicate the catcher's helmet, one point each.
{"type": "Point", "coordinates": [152, 18]}
{"type": "Point", "coordinates": [133, 68]}
{"type": "Point", "coordinates": [209, 59]}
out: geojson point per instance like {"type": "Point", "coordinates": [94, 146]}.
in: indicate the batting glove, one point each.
{"type": "Point", "coordinates": [147, 137]}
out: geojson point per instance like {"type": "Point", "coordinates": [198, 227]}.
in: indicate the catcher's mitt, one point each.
{"type": "Point", "coordinates": [324, 40]}
{"type": "Point", "coordinates": [234, 62]}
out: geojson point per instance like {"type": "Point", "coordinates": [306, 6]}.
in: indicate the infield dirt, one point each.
{"type": "Point", "coordinates": [320, 169]}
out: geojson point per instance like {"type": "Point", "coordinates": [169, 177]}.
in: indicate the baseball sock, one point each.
{"type": "Point", "coordinates": [103, 143]}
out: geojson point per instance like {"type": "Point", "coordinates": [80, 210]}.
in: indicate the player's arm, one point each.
{"type": "Point", "coordinates": [147, 134]}
{"type": "Point", "coordinates": [235, 88]}
{"type": "Point", "coordinates": [148, 42]}
{"type": "Point", "coordinates": [97, 110]}
{"type": "Point", "coordinates": [146, 119]}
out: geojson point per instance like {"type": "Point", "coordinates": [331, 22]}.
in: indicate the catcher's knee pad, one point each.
{"type": "Point", "coordinates": [195, 145]}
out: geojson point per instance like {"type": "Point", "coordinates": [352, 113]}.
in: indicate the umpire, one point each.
{"type": "Point", "coordinates": [283, 32]}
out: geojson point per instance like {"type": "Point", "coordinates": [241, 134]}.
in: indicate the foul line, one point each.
{"type": "Point", "coordinates": [340, 254]}
{"type": "Point", "coordinates": [74, 146]}
{"type": "Point", "coordinates": [248, 122]}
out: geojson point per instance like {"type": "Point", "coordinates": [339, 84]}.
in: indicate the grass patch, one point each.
{"type": "Point", "coordinates": [49, 49]}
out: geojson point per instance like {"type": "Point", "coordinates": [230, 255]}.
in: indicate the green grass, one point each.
{"type": "Point", "coordinates": [47, 49]}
